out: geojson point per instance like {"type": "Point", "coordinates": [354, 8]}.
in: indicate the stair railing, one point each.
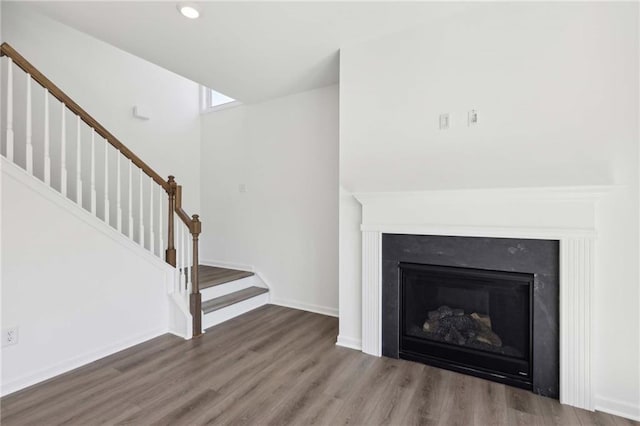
{"type": "Point", "coordinates": [186, 263]}
{"type": "Point", "coordinates": [104, 194]}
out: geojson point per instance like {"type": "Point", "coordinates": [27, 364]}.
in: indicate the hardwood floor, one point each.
{"type": "Point", "coordinates": [276, 366]}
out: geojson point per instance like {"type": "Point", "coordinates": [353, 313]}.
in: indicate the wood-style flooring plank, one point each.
{"type": "Point", "coordinates": [289, 366]}
{"type": "Point", "coordinates": [212, 275]}
{"type": "Point", "coordinates": [276, 366]}
{"type": "Point", "coordinates": [395, 399]}
{"type": "Point", "coordinates": [231, 299]}
{"type": "Point", "coordinates": [521, 407]}
{"type": "Point", "coordinates": [456, 410]}
{"type": "Point", "coordinates": [367, 392]}
{"type": "Point", "coordinates": [300, 398]}
{"type": "Point", "coordinates": [427, 401]}
{"type": "Point", "coordinates": [489, 402]}
{"type": "Point", "coordinates": [556, 414]}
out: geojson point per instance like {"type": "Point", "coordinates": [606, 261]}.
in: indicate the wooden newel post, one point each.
{"type": "Point", "coordinates": [170, 254]}
{"type": "Point", "coordinates": [196, 297]}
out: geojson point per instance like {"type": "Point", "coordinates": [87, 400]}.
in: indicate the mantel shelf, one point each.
{"type": "Point", "coordinates": [551, 193]}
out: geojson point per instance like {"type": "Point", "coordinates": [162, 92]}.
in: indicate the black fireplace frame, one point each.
{"type": "Point", "coordinates": [538, 257]}
{"type": "Point", "coordinates": [507, 370]}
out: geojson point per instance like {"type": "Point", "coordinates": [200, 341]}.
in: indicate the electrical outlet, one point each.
{"type": "Point", "coordinates": [9, 336]}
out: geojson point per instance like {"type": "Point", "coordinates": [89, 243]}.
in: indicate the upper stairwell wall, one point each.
{"type": "Point", "coordinates": [108, 82]}
{"type": "Point", "coordinates": [285, 152]}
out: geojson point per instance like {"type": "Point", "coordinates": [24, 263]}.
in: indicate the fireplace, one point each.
{"type": "Point", "coordinates": [483, 306]}
{"type": "Point", "coordinates": [547, 232]}
{"type": "Point", "coordinates": [469, 320]}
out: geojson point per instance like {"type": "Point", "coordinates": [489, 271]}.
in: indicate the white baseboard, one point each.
{"type": "Point", "coordinates": [324, 310]}
{"type": "Point", "coordinates": [229, 265]}
{"type": "Point", "coordinates": [71, 364]}
{"type": "Point", "coordinates": [618, 408]}
{"type": "Point", "coordinates": [349, 342]}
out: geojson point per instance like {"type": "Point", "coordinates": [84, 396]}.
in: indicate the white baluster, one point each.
{"type": "Point", "coordinates": [177, 283]}
{"type": "Point", "coordinates": [141, 209]}
{"type": "Point", "coordinates": [160, 223]}
{"type": "Point", "coordinates": [29, 147]}
{"type": "Point", "coordinates": [10, 111]}
{"type": "Point", "coordinates": [78, 163]}
{"type": "Point", "coordinates": [189, 261]}
{"type": "Point", "coordinates": [177, 242]}
{"type": "Point", "coordinates": [184, 256]}
{"type": "Point", "coordinates": [178, 260]}
{"type": "Point", "coordinates": [93, 171]}
{"type": "Point", "coordinates": [118, 193]}
{"type": "Point", "coordinates": [152, 243]}
{"type": "Point", "coordinates": [183, 283]}
{"type": "Point", "coordinates": [63, 151]}
{"type": "Point", "coordinates": [106, 182]}
{"type": "Point", "coordinates": [47, 157]}
{"type": "Point", "coordinates": [130, 194]}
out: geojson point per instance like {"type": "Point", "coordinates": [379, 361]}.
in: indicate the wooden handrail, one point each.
{"type": "Point", "coordinates": [180, 212]}
{"type": "Point", "coordinates": [26, 66]}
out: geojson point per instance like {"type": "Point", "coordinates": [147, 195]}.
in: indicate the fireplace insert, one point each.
{"type": "Point", "coordinates": [469, 320]}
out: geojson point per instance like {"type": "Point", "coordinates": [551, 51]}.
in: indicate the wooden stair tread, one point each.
{"type": "Point", "coordinates": [211, 276]}
{"type": "Point", "coordinates": [231, 298]}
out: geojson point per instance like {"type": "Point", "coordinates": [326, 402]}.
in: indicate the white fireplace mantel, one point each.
{"type": "Point", "coordinates": [565, 214]}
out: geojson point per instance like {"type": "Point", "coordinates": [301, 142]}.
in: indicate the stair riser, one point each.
{"type": "Point", "coordinates": [232, 311]}
{"type": "Point", "coordinates": [230, 287]}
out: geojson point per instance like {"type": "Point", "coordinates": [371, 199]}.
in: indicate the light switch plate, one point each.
{"type": "Point", "coordinates": [472, 118]}
{"type": "Point", "coordinates": [444, 121]}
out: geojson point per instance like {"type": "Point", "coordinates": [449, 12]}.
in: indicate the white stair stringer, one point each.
{"type": "Point", "coordinates": [224, 314]}
{"type": "Point", "coordinates": [179, 318]}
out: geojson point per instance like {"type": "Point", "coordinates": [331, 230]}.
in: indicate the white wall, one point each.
{"type": "Point", "coordinates": [556, 88]}
{"type": "Point", "coordinates": [75, 288]}
{"type": "Point", "coordinates": [350, 274]}
{"type": "Point", "coordinates": [286, 225]}
{"type": "Point", "coordinates": [107, 82]}
{"type": "Point", "coordinates": [537, 74]}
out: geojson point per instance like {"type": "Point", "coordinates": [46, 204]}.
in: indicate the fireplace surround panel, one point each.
{"type": "Point", "coordinates": [426, 274]}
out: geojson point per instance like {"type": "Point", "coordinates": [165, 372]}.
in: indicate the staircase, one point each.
{"type": "Point", "coordinates": [103, 177]}
{"type": "Point", "coordinates": [227, 293]}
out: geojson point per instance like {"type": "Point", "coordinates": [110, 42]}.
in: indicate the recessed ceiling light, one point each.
{"type": "Point", "coordinates": [189, 10]}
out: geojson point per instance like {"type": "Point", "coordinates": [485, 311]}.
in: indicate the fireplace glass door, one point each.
{"type": "Point", "coordinates": [470, 320]}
